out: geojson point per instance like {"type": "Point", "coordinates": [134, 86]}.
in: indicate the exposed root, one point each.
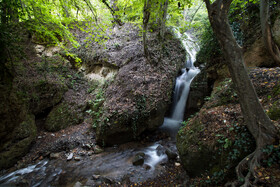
{"type": "Point", "coordinates": [249, 164]}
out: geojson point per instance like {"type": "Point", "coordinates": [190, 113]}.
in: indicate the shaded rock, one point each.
{"type": "Point", "coordinates": [171, 154]}
{"type": "Point", "coordinates": [45, 94]}
{"type": "Point", "coordinates": [257, 56]}
{"type": "Point", "coordinates": [62, 116]}
{"type": "Point", "coordinates": [138, 159]}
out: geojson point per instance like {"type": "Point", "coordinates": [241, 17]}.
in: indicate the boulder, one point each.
{"type": "Point", "coordinates": [140, 94]}
{"type": "Point", "coordinates": [138, 159]}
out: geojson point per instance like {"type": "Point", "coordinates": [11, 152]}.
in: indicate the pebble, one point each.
{"type": "Point", "coordinates": [39, 137]}
{"type": "Point", "coordinates": [77, 158]}
{"type": "Point", "coordinates": [177, 164]}
{"type": "Point", "coordinates": [95, 177]}
{"type": "Point", "coordinates": [54, 155]}
{"type": "Point", "coordinates": [70, 156]}
{"type": "Point", "coordinates": [52, 135]}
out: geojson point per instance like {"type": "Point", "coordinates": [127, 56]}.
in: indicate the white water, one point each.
{"type": "Point", "coordinates": [153, 157]}
{"type": "Point", "coordinates": [182, 87]}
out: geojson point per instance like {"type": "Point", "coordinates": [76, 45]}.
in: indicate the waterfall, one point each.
{"type": "Point", "coordinates": [182, 86]}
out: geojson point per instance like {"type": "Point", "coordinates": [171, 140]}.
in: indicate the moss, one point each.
{"type": "Point", "coordinates": [62, 116]}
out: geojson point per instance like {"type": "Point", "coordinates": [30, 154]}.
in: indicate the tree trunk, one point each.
{"type": "Point", "coordinates": [113, 10]}
{"type": "Point", "coordinates": [146, 18]}
{"type": "Point", "coordinates": [163, 10]}
{"type": "Point", "coordinates": [258, 123]}
{"type": "Point", "coordinates": [269, 43]}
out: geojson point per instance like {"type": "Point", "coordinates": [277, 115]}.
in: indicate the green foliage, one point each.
{"type": "Point", "coordinates": [96, 109]}
{"type": "Point", "coordinates": [274, 111]}
{"type": "Point", "coordinates": [272, 155]}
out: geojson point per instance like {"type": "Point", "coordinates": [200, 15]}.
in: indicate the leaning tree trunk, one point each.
{"type": "Point", "coordinates": [258, 123]}
{"type": "Point", "coordinates": [146, 18]}
{"type": "Point", "coordinates": [163, 12]}
{"type": "Point", "coordinates": [269, 43]}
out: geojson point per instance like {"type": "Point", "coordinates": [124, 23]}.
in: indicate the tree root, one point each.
{"type": "Point", "coordinates": [249, 164]}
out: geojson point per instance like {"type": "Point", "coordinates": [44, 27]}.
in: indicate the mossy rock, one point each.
{"type": "Point", "coordinates": [23, 135]}
{"type": "Point", "coordinates": [62, 116]}
{"type": "Point", "coordinates": [195, 156]}
{"type": "Point", "coordinates": [211, 144]}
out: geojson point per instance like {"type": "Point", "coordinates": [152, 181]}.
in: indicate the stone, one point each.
{"type": "Point", "coordinates": [70, 156]}
{"type": "Point", "coordinates": [54, 155]}
{"type": "Point", "coordinates": [95, 177]}
{"type": "Point", "coordinates": [39, 49]}
{"type": "Point", "coordinates": [160, 150]}
{"type": "Point", "coordinates": [78, 184]}
{"type": "Point", "coordinates": [177, 164]}
{"type": "Point", "coordinates": [98, 149]}
{"type": "Point", "coordinates": [171, 154]}
{"type": "Point", "coordinates": [138, 159]}
{"type": "Point", "coordinates": [77, 158]}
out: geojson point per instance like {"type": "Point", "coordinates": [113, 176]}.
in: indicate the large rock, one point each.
{"type": "Point", "coordinates": [141, 92]}
{"type": "Point", "coordinates": [216, 139]}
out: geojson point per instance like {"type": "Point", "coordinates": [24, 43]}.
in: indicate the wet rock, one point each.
{"type": "Point", "coordinates": [54, 155]}
{"type": "Point", "coordinates": [147, 167]}
{"type": "Point", "coordinates": [138, 159]}
{"type": "Point", "coordinates": [70, 156]}
{"type": "Point", "coordinates": [160, 150]}
{"type": "Point", "coordinates": [171, 154]}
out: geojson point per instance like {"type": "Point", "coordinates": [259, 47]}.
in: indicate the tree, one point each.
{"type": "Point", "coordinates": [258, 123]}
{"type": "Point", "coordinates": [269, 43]}
{"type": "Point", "coordinates": [113, 9]}
{"type": "Point", "coordinates": [146, 18]}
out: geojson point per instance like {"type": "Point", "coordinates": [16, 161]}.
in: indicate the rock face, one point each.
{"type": "Point", "coordinates": [17, 129]}
{"type": "Point", "coordinates": [139, 96]}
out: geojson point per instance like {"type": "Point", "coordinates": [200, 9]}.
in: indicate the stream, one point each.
{"type": "Point", "coordinates": [114, 165]}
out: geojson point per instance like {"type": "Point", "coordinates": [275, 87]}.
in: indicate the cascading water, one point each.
{"type": "Point", "coordinates": [182, 87]}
